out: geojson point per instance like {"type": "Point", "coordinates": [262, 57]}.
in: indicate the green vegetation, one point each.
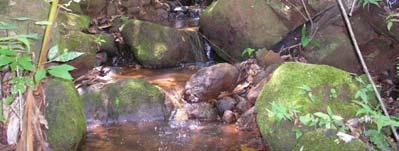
{"type": "Point", "coordinates": [368, 2]}
{"type": "Point", "coordinates": [248, 52]}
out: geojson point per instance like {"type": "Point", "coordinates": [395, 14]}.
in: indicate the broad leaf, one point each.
{"type": "Point", "coordinates": [61, 71]}
{"type": "Point", "coordinates": [5, 60]}
{"type": "Point", "coordinates": [68, 56]}
{"type": "Point", "coordinates": [40, 75]}
{"type": "Point", "coordinates": [52, 52]}
{"type": "Point", "coordinates": [7, 52]}
{"type": "Point", "coordinates": [5, 26]}
{"type": "Point", "coordinates": [25, 62]}
{"type": "Point", "coordinates": [25, 41]}
{"type": "Point", "coordinates": [21, 18]}
{"type": "Point", "coordinates": [43, 23]}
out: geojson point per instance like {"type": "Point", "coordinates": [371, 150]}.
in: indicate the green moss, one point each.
{"type": "Point", "coordinates": [234, 31]}
{"type": "Point", "coordinates": [284, 87]}
{"type": "Point", "coordinates": [70, 21]}
{"type": "Point", "coordinates": [65, 115]}
{"type": "Point", "coordinates": [320, 140]}
{"type": "Point", "coordinates": [155, 45]}
{"type": "Point", "coordinates": [134, 99]}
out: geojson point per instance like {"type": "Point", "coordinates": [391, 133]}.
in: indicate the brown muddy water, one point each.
{"type": "Point", "coordinates": [163, 136]}
{"type": "Point", "coordinates": [168, 135]}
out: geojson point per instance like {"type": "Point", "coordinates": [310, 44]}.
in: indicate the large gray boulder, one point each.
{"type": "Point", "coordinates": [158, 46]}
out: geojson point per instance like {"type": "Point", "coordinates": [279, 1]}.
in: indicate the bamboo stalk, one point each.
{"type": "Point", "coordinates": [47, 35]}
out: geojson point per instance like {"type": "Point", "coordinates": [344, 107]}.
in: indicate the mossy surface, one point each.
{"type": "Point", "coordinates": [155, 45]}
{"type": "Point", "coordinates": [65, 115]}
{"type": "Point", "coordinates": [324, 140]}
{"type": "Point", "coordinates": [284, 88]}
{"type": "Point", "coordinates": [233, 31]}
{"type": "Point", "coordinates": [128, 99]}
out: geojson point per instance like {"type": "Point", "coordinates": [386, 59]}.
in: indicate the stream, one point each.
{"type": "Point", "coordinates": [168, 135]}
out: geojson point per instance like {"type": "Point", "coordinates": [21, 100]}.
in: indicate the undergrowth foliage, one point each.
{"type": "Point", "coordinates": [16, 58]}
{"type": "Point", "coordinates": [370, 117]}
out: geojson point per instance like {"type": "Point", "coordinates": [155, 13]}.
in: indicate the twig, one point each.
{"type": "Point", "coordinates": [363, 63]}
{"type": "Point", "coordinates": [352, 8]}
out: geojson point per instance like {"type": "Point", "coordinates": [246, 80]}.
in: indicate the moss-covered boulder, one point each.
{"type": "Point", "coordinates": [71, 38]}
{"type": "Point", "coordinates": [284, 88]}
{"type": "Point", "coordinates": [73, 6]}
{"type": "Point", "coordinates": [65, 115]}
{"type": "Point", "coordinates": [125, 100]}
{"type": "Point", "coordinates": [234, 25]}
{"type": "Point", "coordinates": [155, 45]}
{"type": "Point", "coordinates": [325, 140]}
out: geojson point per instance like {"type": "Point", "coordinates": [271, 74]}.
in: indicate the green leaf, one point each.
{"type": "Point", "coordinates": [7, 52]}
{"type": "Point", "coordinates": [43, 23]}
{"type": "Point", "coordinates": [52, 53]}
{"type": "Point", "coordinates": [62, 67]}
{"type": "Point", "coordinates": [40, 75]}
{"type": "Point", "coordinates": [25, 62]}
{"type": "Point", "coordinates": [68, 56]}
{"type": "Point", "coordinates": [21, 18]}
{"type": "Point", "coordinates": [4, 60]}
{"type": "Point", "coordinates": [61, 71]}
{"type": "Point", "coordinates": [378, 139]}
{"type": "Point", "coordinates": [6, 26]}
{"type": "Point", "coordinates": [9, 100]}
{"type": "Point", "coordinates": [304, 38]}
{"type": "Point", "coordinates": [321, 115]}
{"type": "Point", "coordinates": [25, 41]}
{"type": "Point", "coordinates": [389, 25]}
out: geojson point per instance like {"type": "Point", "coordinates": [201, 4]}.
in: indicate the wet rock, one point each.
{"type": "Point", "coordinates": [209, 82]}
{"type": "Point", "coordinates": [247, 121]}
{"type": "Point", "coordinates": [159, 46]}
{"type": "Point", "coordinates": [253, 93]}
{"type": "Point", "coordinates": [234, 25]}
{"type": "Point", "coordinates": [125, 100]}
{"type": "Point", "coordinates": [335, 50]}
{"type": "Point", "coordinates": [65, 115]}
{"type": "Point", "coordinates": [283, 88]}
{"type": "Point", "coordinates": [266, 58]}
{"type": "Point", "coordinates": [224, 104]}
{"type": "Point", "coordinates": [202, 111]}
{"type": "Point", "coordinates": [229, 117]}
{"type": "Point", "coordinates": [243, 104]}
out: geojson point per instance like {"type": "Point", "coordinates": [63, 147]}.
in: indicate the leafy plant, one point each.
{"type": "Point", "coordinates": [329, 120]}
{"type": "Point", "coordinates": [391, 19]}
{"type": "Point", "coordinates": [248, 52]}
{"type": "Point", "coordinates": [306, 40]}
{"type": "Point", "coordinates": [378, 139]}
{"type": "Point", "coordinates": [368, 2]}
{"type": "Point", "coordinates": [16, 57]}
{"type": "Point", "coordinates": [307, 91]}
{"type": "Point", "coordinates": [333, 93]}
{"type": "Point", "coordinates": [280, 111]}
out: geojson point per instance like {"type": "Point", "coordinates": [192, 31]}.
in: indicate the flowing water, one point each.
{"type": "Point", "coordinates": [168, 135]}
{"type": "Point", "coordinates": [163, 136]}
